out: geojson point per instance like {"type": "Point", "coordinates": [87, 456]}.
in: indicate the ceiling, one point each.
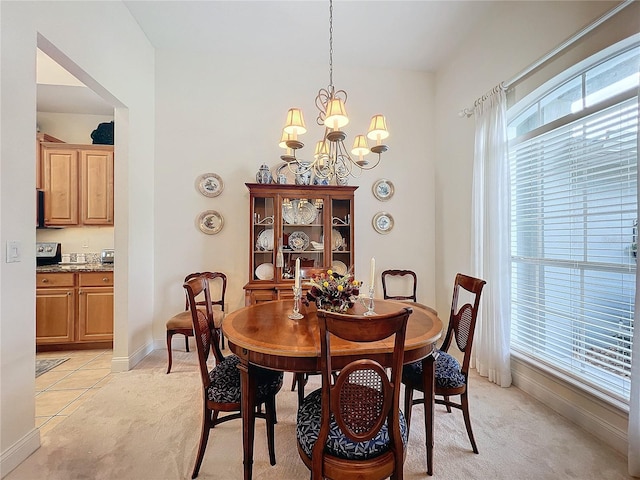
{"type": "Point", "coordinates": [412, 35]}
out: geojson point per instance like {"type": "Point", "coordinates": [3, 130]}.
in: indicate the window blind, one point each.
{"type": "Point", "coordinates": [574, 245]}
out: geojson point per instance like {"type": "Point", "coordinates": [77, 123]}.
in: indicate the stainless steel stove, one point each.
{"type": "Point", "coordinates": [48, 253]}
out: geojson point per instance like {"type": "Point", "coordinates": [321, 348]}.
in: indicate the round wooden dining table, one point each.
{"type": "Point", "coordinates": [264, 335]}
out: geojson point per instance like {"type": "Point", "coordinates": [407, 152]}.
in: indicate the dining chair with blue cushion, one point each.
{"type": "Point", "coordinates": [221, 384]}
{"type": "Point", "coordinates": [451, 378]}
{"type": "Point", "coordinates": [352, 427]}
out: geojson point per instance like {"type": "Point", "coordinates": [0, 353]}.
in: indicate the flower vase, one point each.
{"type": "Point", "coordinates": [330, 306]}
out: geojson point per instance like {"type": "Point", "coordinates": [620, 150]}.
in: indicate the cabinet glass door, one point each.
{"type": "Point", "coordinates": [302, 234]}
{"type": "Point", "coordinates": [263, 238]}
{"type": "Point", "coordinates": [341, 235]}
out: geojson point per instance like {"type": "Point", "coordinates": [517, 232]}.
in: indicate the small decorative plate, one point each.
{"type": "Point", "coordinates": [265, 240]}
{"type": "Point", "coordinates": [210, 222]}
{"type": "Point", "coordinates": [382, 222]}
{"type": "Point", "coordinates": [336, 239]}
{"type": "Point", "coordinates": [265, 271]}
{"type": "Point", "coordinates": [299, 213]}
{"type": "Point", "coordinates": [210, 184]}
{"type": "Point", "coordinates": [383, 189]}
{"type": "Point", "coordinates": [339, 267]}
{"type": "Point", "coordinates": [298, 241]}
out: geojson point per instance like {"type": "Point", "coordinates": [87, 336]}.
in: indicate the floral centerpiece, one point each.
{"type": "Point", "coordinates": [332, 291]}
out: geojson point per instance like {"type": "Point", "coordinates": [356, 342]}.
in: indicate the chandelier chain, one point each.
{"type": "Point", "coordinates": [331, 45]}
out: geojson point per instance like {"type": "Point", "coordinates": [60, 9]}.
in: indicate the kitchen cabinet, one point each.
{"type": "Point", "coordinates": [55, 308]}
{"type": "Point", "coordinates": [74, 309]}
{"type": "Point", "coordinates": [77, 184]}
{"type": "Point", "coordinates": [286, 222]}
{"type": "Point", "coordinates": [95, 306]}
{"type": "Point", "coordinates": [42, 137]}
{"type": "Point", "coordinates": [96, 173]}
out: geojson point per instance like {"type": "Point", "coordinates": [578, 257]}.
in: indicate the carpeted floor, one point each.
{"type": "Point", "coordinates": [145, 424]}
{"type": "Point", "coordinates": [45, 364]}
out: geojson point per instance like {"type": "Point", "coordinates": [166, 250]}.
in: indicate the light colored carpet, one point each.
{"type": "Point", "coordinates": [45, 364]}
{"type": "Point", "coordinates": [145, 424]}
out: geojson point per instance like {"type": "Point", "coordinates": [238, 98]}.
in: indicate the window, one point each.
{"type": "Point", "coordinates": [574, 214]}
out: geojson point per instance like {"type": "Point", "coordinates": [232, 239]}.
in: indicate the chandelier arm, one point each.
{"type": "Point", "coordinates": [370, 167]}
{"type": "Point", "coordinates": [322, 99]}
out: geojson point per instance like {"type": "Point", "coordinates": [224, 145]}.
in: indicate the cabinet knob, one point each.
{"type": "Point", "coordinates": [45, 280]}
{"type": "Point", "coordinates": [105, 279]}
{"type": "Point", "coordinates": [68, 294]}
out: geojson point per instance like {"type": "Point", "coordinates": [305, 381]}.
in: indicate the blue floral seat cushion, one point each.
{"type": "Point", "coordinates": [225, 381]}
{"type": "Point", "coordinates": [338, 445]}
{"type": "Point", "coordinates": [448, 374]}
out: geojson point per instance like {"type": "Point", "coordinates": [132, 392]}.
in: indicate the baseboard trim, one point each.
{"type": "Point", "coordinates": [579, 406]}
{"type": "Point", "coordinates": [19, 451]}
{"type": "Point", "coordinates": [124, 364]}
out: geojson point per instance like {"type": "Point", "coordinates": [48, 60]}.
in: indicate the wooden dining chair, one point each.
{"type": "Point", "coordinates": [352, 427]}
{"type": "Point", "coordinates": [451, 378]}
{"type": "Point", "coordinates": [181, 323]}
{"type": "Point", "coordinates": [400, 273]}
{"type": "Point", "coordinates": [221, 385]}
{"type": "Point", "coordinates": [409, 279]}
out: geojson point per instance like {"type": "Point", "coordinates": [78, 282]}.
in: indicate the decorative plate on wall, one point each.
{"type": "Point", "coordinates": [210, 222]}
{"type": "Point", "coordinates": [383, 189]}
{"type": "Point", "coordinates": [382, 222]}
{"type": "Point", "coordinates": [210, 184]}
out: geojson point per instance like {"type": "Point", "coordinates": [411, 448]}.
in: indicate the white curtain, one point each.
{"type": "Point", "coordinates": [634, 403]}
{"type": "Point", "coordinates": [490, 237]}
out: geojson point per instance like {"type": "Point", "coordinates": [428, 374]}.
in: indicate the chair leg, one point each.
{"type": "Point", "coordinates": [270, 410]}
{"type": "Point", "coordinates": [467, 420]}
{"type": "Point", "coordinates": [207, 423]}
{"type": "Point", "coordinates": [186, 342]}
{"type": "Point", "coordinates": [408, 403]}
{"type": "Point", "coordinates": [169, 337]}
{"type": "Point", "coordinates": [301, 380]}
{"type": "Point", "coordinates": [222, 338]}
{"type": "Point", "coordinates": [446, 399]}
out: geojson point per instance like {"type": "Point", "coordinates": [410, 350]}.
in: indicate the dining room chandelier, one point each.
{"type": "Point", "coordinates": [331, 159]}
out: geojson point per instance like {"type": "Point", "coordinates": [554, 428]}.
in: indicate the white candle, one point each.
{"type": "Point", "coordinates": [373, 272]}
{"type": "Point", "coordinates": [297, 277]}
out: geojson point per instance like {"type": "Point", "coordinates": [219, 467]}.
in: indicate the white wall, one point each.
{"type": "Point", "coordinates": [68, 127]}
{"type": "Point", "coordinates": [225, 115]}
{"type": "Point", "coordinates": [108, 44]}
{"type": "Point", "coordinates": [519, 34]}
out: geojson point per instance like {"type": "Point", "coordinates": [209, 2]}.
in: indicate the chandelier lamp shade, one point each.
{"type": "Point", "coordinates": [331, 158]}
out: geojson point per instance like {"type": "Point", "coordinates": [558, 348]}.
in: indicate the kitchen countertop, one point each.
{"type": "Point", "coordinates": [87, 267]}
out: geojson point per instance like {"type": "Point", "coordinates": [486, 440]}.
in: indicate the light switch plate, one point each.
{"type": "Point", "coordinates": [14, 252]}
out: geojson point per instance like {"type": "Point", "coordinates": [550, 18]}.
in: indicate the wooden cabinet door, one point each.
{"type": "Point", "coordinates": [60, 167]}
{"type": "Point", "coordinates": [95, 314]}
{"type": "Point", "coordinates": [55, 314]}
{"type": "Point", "coordinates": [42, 137]}
{"type": "Point", "coordinates": [96, 167]}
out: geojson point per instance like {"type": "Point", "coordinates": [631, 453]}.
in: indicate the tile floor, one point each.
{"type": "Point", "coordinates": [61, 390]}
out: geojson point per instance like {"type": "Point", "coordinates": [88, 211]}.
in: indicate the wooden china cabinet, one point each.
{"type": "Point", "coordinates": [286, 222]}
